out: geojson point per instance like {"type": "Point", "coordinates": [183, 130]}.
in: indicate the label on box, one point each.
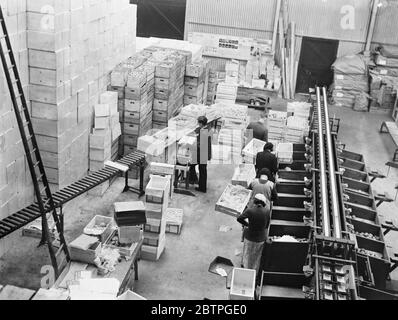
{"type": "Point", "coordinates": [382, 62]}
{"type": "Point", "coordinates": [340, 77]}
{"type": "Point", "coordinates": [339, 95]}
{"type": "Point", "coordinates": [383, 72]}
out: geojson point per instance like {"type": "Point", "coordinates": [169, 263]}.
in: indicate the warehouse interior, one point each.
{"type": "Point", "coordinates": [132, 143]}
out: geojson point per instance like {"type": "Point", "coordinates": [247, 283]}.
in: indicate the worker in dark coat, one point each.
{"type": "Point", "coordinates": [268, 160]}
{"type": "Point", "coordinates": [256, 220]}
{"type": "Point", "coordinates": [203, 155]}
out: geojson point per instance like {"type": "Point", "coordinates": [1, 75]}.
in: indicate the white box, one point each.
{"type": "Point", "coordinates": [243, 284]}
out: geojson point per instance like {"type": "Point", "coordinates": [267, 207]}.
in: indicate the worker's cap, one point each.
{"type": "Point", "coordinates": [261, 197]}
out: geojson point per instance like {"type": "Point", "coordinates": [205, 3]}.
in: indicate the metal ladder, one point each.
{"type": "Point", "coordinates": [43, 193]}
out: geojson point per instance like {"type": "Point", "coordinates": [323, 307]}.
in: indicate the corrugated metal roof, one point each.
{"type": "Point", "coordinates": [247, 14]}
{"type": "Point", "coordinates": [248, 33]}
{"type": "Point", "coordinates": [386, 29]}
{"type": "Point", "coordinates": [323, 18]}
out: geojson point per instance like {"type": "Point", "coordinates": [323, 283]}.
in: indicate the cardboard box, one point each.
{"type": "Point", "coordinates": [85, 249]}
{"type": "Point", "coordinates": [130, 213]}
{"type": "Point", "coordinates": [243, 284]}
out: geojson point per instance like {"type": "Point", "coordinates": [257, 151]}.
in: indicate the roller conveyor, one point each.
{"type": "Point", "coordinates": [32, 212]}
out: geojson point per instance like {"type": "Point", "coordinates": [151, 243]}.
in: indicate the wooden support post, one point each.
{"type": "Point", "coordinates": [292, 58]}
{"type": "Point", "coordinates": [282, 53]}
{"type": "Point", "coordinates": [277, 14]}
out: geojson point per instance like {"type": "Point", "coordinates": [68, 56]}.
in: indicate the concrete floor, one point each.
{"type": "Point", "coordinates": [182, 272]}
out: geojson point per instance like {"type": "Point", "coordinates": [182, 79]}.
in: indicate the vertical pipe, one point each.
{"type": "Point", "coordinates": [322, 170]}
{"type": "Point", "coordinates": [277, 14]}
{"type": "Point", "coordinates": [372, 23]}
{"type": "Point", "coordinates": [332, 172]}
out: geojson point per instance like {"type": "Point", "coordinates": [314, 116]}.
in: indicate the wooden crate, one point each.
{"type": "Point", "coordinates": [150, 253]}
{"type": "Point", "coordinates": [93, 228]}
{"type": "Point", "coordinates": [135, 105]}
{"type": "Point", "coordinates": [126, 250]}
{"type": "Point", "coordinates": [88, 255]}
{"type": "Point", "coordinates": [194, 91]}
{"type": "Point", "coordinates": [174, 220]}
{"type": "Point", "coordinates": [157, 190]}
{"type": "Point", "coordinates": [244, 175]}
{"type": "Point", "coordinates": [239, 203]}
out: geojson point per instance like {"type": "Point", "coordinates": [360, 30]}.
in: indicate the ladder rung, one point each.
{"type": "Point", "coordinates": [61, 248]}
{"type": "Point", "coordinates": [15, 81]}
{"type": "Point", "coordinates": [3, 36]}
{"type": "Point", "coordinates": [11, 67]}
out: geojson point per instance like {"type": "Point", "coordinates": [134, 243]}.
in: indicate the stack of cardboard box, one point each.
{"type": "Point", "coordinates": [137, 110]}
{"type": "Point", "coordinates": [73, 46]}
{"type": "Point", "coordinates": [212, 88]}
{"type": "Point", "coordinates": [157, 202]}
{"type": "Point", "coordinates": [169, 89]}
{"type": "Point", "coordinates": [277, 122]}
{"type": "Point", "coordinates": [196, 84]}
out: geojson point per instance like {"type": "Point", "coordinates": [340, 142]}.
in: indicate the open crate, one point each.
{"type": "Point", "coordinates": [125, 250]}
{"type": "Point", "coordinates": [158, 190]}
{"type": "Point", "coordinates": [100, 227]}
{"type": "Point", "coordinates": [243, 284]}
{"type": "Point", "coordinates": [85, 249]}
{"type": "Point", "coordinates": [244, 175]}
{"type": "Point", "coordinates": [234, 200]}
{"type": "Point", "coordinates": [252, 149]}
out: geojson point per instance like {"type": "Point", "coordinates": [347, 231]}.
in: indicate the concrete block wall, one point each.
{"type": "Point", "coordinates": [65, 51]}
{"type": "Point", "coordinates": [16, 188]}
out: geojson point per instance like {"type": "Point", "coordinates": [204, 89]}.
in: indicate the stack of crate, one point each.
{"type": "Point", "coordinates": [137, 111]}
{"type": "Point", "coordinates": [169, 89]}
{"type": "Point", "coordinates": [196, 82]}
{"type": "Point", "coordinates": [277, 121]}
{"type": "Point", "coordinates": [157, 202]}
{"type": "Point", "coordinates": [212, 88]}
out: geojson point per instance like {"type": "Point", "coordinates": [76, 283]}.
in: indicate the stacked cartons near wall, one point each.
{"type": "Point", "coordinates": [196, 83]}
{"type": "Point", "coordinates": [212, 87]}
{"type": "Point", "coordinates": [133, 80]}
{"type": "Point", "coordinates": [384, 81]}
{"type": "Point", "coordinates": [169, 88]}
{"type": "Point", "coordinates": [351, 83]}
{"type": "Point", "coordinates": [157, 201]}
{"type": "Point", "coordinates": [73, 46]}
{"type": "Point", "coordinates": [16, 188]}
{"type": "Point", "coordinates": [104, 137]}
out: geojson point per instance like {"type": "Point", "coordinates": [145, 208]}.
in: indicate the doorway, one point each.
{"type": "Point", "coordinates": [316, 58]}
